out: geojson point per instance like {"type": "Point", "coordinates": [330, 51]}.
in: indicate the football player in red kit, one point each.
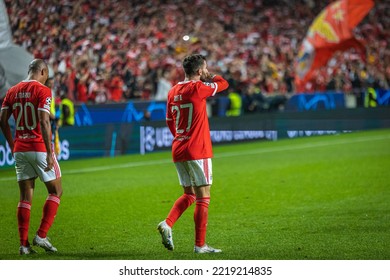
{"type": "Point", "coordinates": [191, 147]}
{"type": "Point", "coordinates": [29, 103]}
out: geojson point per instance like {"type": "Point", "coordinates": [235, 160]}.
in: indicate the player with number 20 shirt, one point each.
{"type": "Point", "coordinates": [29, 103]}
{"type": "Point", "coordinates": [25, 100]}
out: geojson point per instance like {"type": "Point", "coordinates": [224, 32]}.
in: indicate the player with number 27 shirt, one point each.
{"type": "Point", "coordinates": [191, 147]}
{"type": "Point", "coordinates": [187, 118]}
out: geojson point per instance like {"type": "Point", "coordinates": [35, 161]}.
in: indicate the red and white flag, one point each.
{"type": "Point", "coordinates": [331, 31]}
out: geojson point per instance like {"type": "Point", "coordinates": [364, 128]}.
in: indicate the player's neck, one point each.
{"type": "Point", "coordinates": [33, 77]}
{"type": "Point", "coordinates": [192, 78]}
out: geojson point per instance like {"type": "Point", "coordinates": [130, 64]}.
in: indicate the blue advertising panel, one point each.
{"type": "Point", "coordinates": [87, 115]}
{"type": "Point", "coordinates": [138, 111]}
{"type": "Point", "coordinates": [111, 139]}
{"type": "Point", "coordinates": [316, 101]}
{"type": "Point", "coordinates": [383, 97]}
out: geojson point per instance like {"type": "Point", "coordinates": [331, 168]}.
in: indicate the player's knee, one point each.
{"type": "Point", "coordinates": [189, 190]}
{"type": "Point", "coordinates": [27, 198]}
{"type": "Point", "coordinates": [59, 192]}
{"type": "Point", "coordinates": [202, 191]}
{"type": "Point", "coordinates": [54, 188]}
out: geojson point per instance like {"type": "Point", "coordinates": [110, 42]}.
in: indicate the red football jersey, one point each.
{"type": "Point", "coordinates": [187, 118]}
{"type": "Point", "coordinates": [25, 100]}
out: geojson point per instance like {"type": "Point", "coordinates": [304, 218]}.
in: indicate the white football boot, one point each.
{"type": "Point", "coordinates": [26, 250]}
{"type": "Point", "coordinates": [44, 243]}
{"type": "Point", "coordinates": [166, 234]}
{"type": "Point", "coordinates": [206, 249]}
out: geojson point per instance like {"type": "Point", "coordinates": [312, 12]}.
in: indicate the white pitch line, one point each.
{"type": "Point", "coordinates": [224, 155]}
{"type": "Point", "coordinates": [118, 166]}
{"type": "Point", "coordinates": [303, 146]}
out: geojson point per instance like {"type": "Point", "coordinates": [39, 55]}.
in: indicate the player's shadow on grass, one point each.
{"type": "Point", "coordinates": [123, 255]}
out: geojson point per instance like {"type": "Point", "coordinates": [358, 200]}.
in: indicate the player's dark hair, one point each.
{"type": "Point", "coordinates": [36, 65]}
{"type": "Point", "coordinates": [193, 63]}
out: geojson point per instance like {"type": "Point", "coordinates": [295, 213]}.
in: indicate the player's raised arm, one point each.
{"type": "Point", "coordinates": [212, 84]}
{"type": "Point", "coordinates": [222, 84]}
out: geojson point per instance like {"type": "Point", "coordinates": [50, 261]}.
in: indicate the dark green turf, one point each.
{"type": "Point", "coordinates": [325, 197]}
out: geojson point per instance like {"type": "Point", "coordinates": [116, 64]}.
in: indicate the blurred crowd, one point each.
{"type": "Point", "coordinates": [115, 50]}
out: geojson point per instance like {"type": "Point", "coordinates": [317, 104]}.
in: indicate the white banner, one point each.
{"type": "Point", "coordinates": [194, 269]}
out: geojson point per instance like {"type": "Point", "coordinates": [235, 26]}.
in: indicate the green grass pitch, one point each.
{"type": "Point", "coordinates": [323, 197]}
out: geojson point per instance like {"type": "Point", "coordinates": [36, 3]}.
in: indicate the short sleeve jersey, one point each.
{"type": "Point", "coordinates": [25, 100]}
{"type": "Point", "coordinates": [186, 109]}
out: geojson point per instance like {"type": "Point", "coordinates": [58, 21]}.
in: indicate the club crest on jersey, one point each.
{"type": "Point", "coordinates": [212, 85]}
{"type": "Point", "coordinates": [48, 100]}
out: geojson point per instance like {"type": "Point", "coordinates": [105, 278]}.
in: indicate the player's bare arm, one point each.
{"type": "Point", "coordinates": [4, 116]}
{"type": "Point", "coordinates": [44, 120]}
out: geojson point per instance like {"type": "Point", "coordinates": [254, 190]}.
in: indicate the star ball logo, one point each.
{"type": "Point", "coordinates": [48, 101]}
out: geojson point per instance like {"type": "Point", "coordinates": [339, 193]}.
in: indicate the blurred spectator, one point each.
{"type": "Point", "coordinates": [163, 86]}
{"type": "Point", "coordinates": [370, 99]}
{"type": "Point", "coordinates": [97, 92]}
{"type": "Point", "coordinates": [253, 101]}
{"type": "Point", "coordinates": [81, 81]}
{"type": "Point", "coordinates": [116, 87]}
{"type": "Point", "coordinates": [146, 90]}
{"type": "Point", "coordinates": [67, 112]}
{"type": "Point", "coordinates": [235, 104]}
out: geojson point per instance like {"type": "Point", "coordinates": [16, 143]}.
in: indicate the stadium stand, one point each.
{"type": "Point", "coordinates": [126, 46]}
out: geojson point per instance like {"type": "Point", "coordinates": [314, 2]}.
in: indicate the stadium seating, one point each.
{"type": "Point", "coordinates": [134, 42]}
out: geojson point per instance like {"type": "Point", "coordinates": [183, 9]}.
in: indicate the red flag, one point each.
{"type": "Point", "coordinates": [330, 31]}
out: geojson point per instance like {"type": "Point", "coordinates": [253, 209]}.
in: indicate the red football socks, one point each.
{"type": "Point", "coordinates": [200, 218]}
{"type": "Point", "coordinates": [178, 208]}
{"type": "Point", "coordinates": [49, 213]}
{"type": "Point", "coordinates": [23, 214]}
